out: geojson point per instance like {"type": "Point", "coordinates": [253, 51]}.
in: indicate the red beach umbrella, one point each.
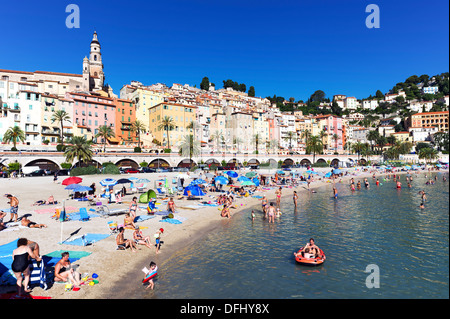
{"type": "Point", "coordinates": [72, 180]}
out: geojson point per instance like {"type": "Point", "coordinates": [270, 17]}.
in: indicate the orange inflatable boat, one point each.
{"type": "Point", "coordinates": [310, 261]}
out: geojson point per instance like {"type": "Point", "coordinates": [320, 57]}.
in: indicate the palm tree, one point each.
{"type": "Point", "coordinates": [358, 148]}
{"type": "Point", "coordinates": [14, 134]}
{"type": "Point", "coordinates": [79, 147]}
{"type": "Point", "coordinates": [315, 145]}
{"type": "Point", "coordinates": [289, 136]}
{"type": "Point", "coordinates": [273, 144]}
{"type": "Point", "coordinates": [256, 139]}
{"type": "Point", "coordinates": [189, 147]}
{"type": "Point", "coordinates": [194, 126]}
{"type": "Point", "coordinates": [105, 132]}
{"type": "Point", "coordinates": [60, 116]}
{"type": "Point", "coordinates": [306, 134]}
{"type": "Point", "coordinates": [373, 136]}
{"type": "Point", "coordinates": [217, 136]}
{"type": "Point", "coordinates": [335, 138]}
{"type": "Point", "coordinates": [237, 141]}
{"type": "Point", "coordinates": [428, 154]}
{"type": "Point", "coordinates": [167, 124]}
{"type": "Point", "coordinates": [138, 127]}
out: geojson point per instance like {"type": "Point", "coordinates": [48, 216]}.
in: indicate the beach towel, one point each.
{"type": "Point", "coordinates": [171, 221]}
{"type": "Point", "coordinates": [142, 218]}
{"type": "Point", "coordinates": [86, 239]}
{"type": "Point", "coordinates": [79, 216]}
{"type": "Point", "coordinates": [257, 196]}
{"type": "Point", "coordinates": [38, 275]}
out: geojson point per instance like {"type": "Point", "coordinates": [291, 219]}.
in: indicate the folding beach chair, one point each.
{"type": "Point", "coordinates": [113, 227]}
{"type": "Point", "coordinates": [83, 214]}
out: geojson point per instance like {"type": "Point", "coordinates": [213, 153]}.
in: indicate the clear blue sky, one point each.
{"type": "Point", "coordinates": [287, 48]}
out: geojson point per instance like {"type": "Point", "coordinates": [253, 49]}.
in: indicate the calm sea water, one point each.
{"type": "Point", "coordinates": [380, 225]}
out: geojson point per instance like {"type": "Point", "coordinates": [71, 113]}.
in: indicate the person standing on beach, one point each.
{"type": "Point", "coordinates": [295, 198]}
{"type": "Point", "coordinates": [264, 205]}
{"type": "Point", "coordinates": [278, 193]}
{"type": "Point", "coordinates": [14, 203]}
{"type": "Point", "coordinates": [271, 213]}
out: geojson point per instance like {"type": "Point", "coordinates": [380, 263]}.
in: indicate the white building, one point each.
{"type": "Point", "coordinates": [370, 104]}
{"type": "Point", "coordinates": [430, 90]}
{"type": "Point", "coordinates": [422, 134]}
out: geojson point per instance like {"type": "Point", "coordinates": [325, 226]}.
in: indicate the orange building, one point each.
{"type": "Point", "coordinates": [430, 119]}
{"type": "Point", "coordinates": [125, 117]}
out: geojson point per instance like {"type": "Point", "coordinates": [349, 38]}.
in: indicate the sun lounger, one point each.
{"type": "Point", "coordinates": [106, 211]}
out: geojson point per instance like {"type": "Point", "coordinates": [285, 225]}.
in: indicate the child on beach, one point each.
{"type": "Point", "coordinates": [158, 239]}
{"type": "Point", "coordinates": [152, 271]}
{"type": "Point", "coordinates": [253, 215]}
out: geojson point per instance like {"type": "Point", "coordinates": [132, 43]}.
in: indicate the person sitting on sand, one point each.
{"type": "Point", "coordinates": [123, 243]}
{"type": "Point", "coordinates": [140, 239]}
{"type": "Point", "coordinates": [28, 223]}
{"type": "Point", "coordinates": [128, 221]}
{"type": "Point", "coordinates": [64, 271]}
{"type": "Point", "coordinates": [2, 224]}
{"type": "Point", "coordinates": [171, 206]}
{"type": "Point", "coordinates": [225, 211]}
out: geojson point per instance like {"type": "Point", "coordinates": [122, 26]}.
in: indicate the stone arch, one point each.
{"type": "Point", "coordinates": [288, 162]}
{"type": "Point", "coordinates": [186, 163]}
{"type": "Point", "coordinates": [335, 162]}
{"type": "Point", "coordinates": [126, 162]}
{"type": "Point", "coordinates": [233, 162]}
{"type": "Point", "coordinates": [362, 162]}
{"type": "Point", "coordinates": [272, 163]}
{"type": "Point", "coordinates": [44, 163]}
{"type": "Point", "coordinates": [306, 162]}
{"type": "Point", "coordinates": [159, 163]}
{"type": "Point", "coordinates": [321, 160]}
{"type": "Point", "coordinates": [253, 161]}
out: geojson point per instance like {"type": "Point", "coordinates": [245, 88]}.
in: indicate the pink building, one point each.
{"type": "Point", "coordinates": [90, 112]}
{"type": "Point", "coordinates": [332, 126]}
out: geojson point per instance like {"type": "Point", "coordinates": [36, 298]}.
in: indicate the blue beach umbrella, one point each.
{"type": "Point", "coordinates": [336, 171]}
{"type": "Point", "coordinates": [221, 180]}
{"type": "Point", "coordinates": [243, 178]}
{"type": "Point", "coordinates": [108, 182]}
{"type": "Point", "coordinates": [256, 181]}
{"type": "Point", "coordinates": [195, 190]}
{"type": "Point", "coordinates": [232, 174]}
{"type": "Point", "coordinates": [81, 188]}
{"type": "Point", "coordinates": [197, 182]}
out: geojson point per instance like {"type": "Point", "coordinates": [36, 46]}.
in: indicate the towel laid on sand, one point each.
{"type": "Point", "coordinates": [86, 239]}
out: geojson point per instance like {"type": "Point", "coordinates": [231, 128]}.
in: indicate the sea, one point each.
{"type": "Point", "coordinates": [378, 242]}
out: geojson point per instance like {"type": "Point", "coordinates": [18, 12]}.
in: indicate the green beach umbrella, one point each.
{"type": "Point", "coordinates": [250, 174]}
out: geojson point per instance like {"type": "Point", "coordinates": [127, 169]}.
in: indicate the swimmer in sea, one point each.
{"type": "Point", "coordinates": [295, 197]}
{"type": "Point", "coordinates": [335, 193]}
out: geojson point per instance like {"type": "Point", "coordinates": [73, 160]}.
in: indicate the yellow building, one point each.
{"type": "Point", "coordinates": [402, 137]}
{"type": "Point", "coordinates": [181, 116]}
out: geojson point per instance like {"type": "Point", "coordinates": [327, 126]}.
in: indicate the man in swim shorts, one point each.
{"type": "Point", "coordinates": [14, 203]}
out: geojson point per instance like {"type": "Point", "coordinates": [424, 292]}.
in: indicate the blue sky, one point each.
{"type": "Point", "coordinates": [287, 48]}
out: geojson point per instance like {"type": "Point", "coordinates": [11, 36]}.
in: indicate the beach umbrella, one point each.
{"type": "Point", "coordinates": [310, 172]}
{"type": "Point", "coordinates": [247, 183]}
{"type": "Point", "coordinates": [221, 180]}
{"type": "Point", "coordinates": [71, 186]}
{"type": "Point", "coordinates": [72, 180]}
{"type": "Point", "coordinates": [256, 181]}
{"type": "Point", "coordinates": [81, 188]}
{"type": "Point", "coordinates": [198, 182]}
{"type": "Point", "coordinates": [232, 174]}
{"type": "Point", "coordinates": [337, 171]}
{"type": "Point", "coordinates": [328, 174]}
{"type": "Point", "coordinates": [123, 181]}
{"type": "Point", "coordinates": [195, 190]}
{"type": "Point", "coordinates": [243, 178]}
{"type": "Point", "coordinates": [108, 182]}
{"type": "Point", "coordinates": [133, 178]}
{"type": "Point", "coordinates": [143, 180]}
{"type": "Point", "coordinates": [250, 174]}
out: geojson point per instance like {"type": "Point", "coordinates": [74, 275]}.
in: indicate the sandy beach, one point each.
{"type": "Point", "coordinates": [117, 268]}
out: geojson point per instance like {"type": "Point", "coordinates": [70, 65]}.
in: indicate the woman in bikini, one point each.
{"type": "Point", "coordinates": [133, 207]}
{"type": "Point", "coordinates": [278, 193]}
{"type": "Point", "coordinates": [65, 272]}
{"type": "Point", "coordinates": [171, 206]}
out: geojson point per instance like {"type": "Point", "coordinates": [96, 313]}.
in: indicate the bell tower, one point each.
{"type": "Point", "coordinates": [96, 74]}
